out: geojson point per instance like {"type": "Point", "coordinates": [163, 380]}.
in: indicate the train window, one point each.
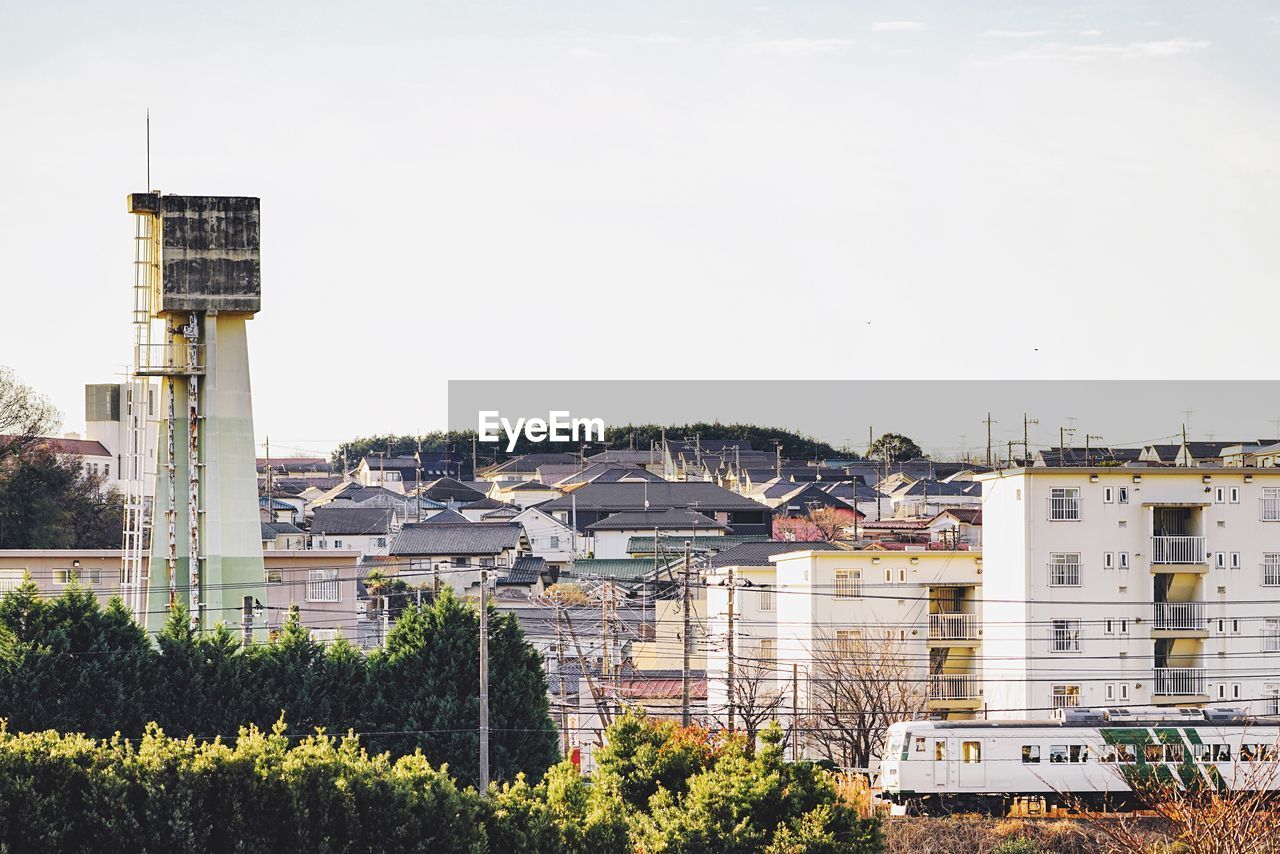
{"type": "Point", "coordinates": [1247, 753]}
{"type": "Point", "coordinates": [1108, 753]}
{"type": "Point", "coordinates": [1222, 753]}
{"type": "Point", "coordinates": [1079, 753]}
{"type": "Point", "coordinates": [971, 752]}
{"type": "Point", "coordinates": [1057, 753]}
{"type": "Point", "coordinates": [920, 743]}
{"type": "Point", "coordinates": [1266, 753]}
{"type": "Point", "coordinates": [1202, 752]}
{"type": "Point", "coordinates": [939, 751]}
{"type": "Point", "coordinates": [1031, 754]}
{"type": "Point", "coordinates": [1173, 753]}
{"type": "Point", "coordinates": [1125, 753]}
{"type": "Point", "coordinates": [1153, 752]}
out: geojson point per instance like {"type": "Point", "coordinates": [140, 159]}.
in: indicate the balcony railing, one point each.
{"type": "Point", "coordinates": [953, 627]}
{"type": "Point", "coordinates": [1183, 550]}
{"type": "Point", "coordinates": [1179, 681]}
{"type": "Point", "coordinates": [1064, 509]}
{"type": "Point", "coordinates": [1269, 509]}
{"type": "Point", "coordinates": [1271, 574]}
{"type": "Point", "coordinates": [1179, 616]}
{"type": "Point", "coordinates": [953, 686]}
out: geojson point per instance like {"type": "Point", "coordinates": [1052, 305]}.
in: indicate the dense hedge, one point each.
{"type": "Point", "coordinates": [658, 788]}
{"type": "Point", "coordinates": [69, 665]}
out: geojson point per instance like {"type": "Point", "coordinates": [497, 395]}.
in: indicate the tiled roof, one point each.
{"type": "Point", "coordinates": [663, 494]}
{"type": "Point", "coordinates": [446, 517]}
{"type": "Point", "coordinates": [758, 554]}
{"type": "Point", "coordinates": [352, 520]}
{"type": "Point", "coordinates": [642, 520]}
{"type": "Point", "coordinates": [643, 545]}
{"type": "Point", "coordinates": [528, 463]}
{"type": "Point", "coordinates": [470, 538]}
{"type": "Point", "coordinates": [76, 447]}
{"type": "Point", "coordinates": [968, 515]}
{"type": "Point", "coordinates": [525, 570]}
{"type": "Point", "coordinates": [448, 489]}
{"type": "Point", "coordinates": [271, 530]}
{"type": "Point", "coordinates": [614, 569]}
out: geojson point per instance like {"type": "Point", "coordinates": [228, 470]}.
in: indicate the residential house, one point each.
{"type": "Point", "coordinates": [592, 502]}
{"type": "Point", "coordinates": [957, 527]}
{"type": "Point", "coordinates": [555, 542]}
{"type": "Point", "coordinates": [322, 585]}
{"type": "Point", "coordinates": [365, 529]}
{"type": "Point", "coordinates": [611, 534]}
{"type": "Point", "coordinates": [456, 553]}
{"type": "Point", "coordinates": [524, 467]}
{"type": "Point", "coordinates": [282, 536]}
{"type": "Point", "coordinates": [523, 493]}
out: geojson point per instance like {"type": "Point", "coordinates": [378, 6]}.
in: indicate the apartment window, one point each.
{"type": "Point", "coordinates": [1064, 504]}
{"type": "Point", "coordinates": [1064, 569]}
{"type": "Point", "coordinates": [275, 576]}
{"type": "Point", "coordinates": [1271, 700]}
{"type": "Point", "coordinates": [1231, 626]}
{"type": "Point", "coordinates": [1219, 495]}
{"type": "Point", "coordinates": [768, 653]}
{"type": "Point", "coordinates": [380, 542]}
{"type": "Point", "coordinates": [84, 576]}
{"type": "Point", "coordinates": [1235, 560]}
{"type": "Point", "coordinates": [1271, 504]}
{"type": "Point", "coordinates": [1116, 626]}
{"type": "Point", "coordinates": [848, 583]}
{"type": "Point", "coordinates": [1109, 692]}
{"type": "Point", "coordinates": [1065, 696]}
{"type": "Point", "coordinates": [1123, 558]}
{"type": "Point", "coordinates": [459, 561]}
{"type": "Point", "coordinates": [1271, 635]}
{"type": "Point", "coordinates": [1066, 636]}
{"type": "Point", "coordinates": [1271, 569]}
{"type": "Point", "coordinates": [768, 599]}
{"type": "Point", "coordinates": [1108, 495]}
{"type": "Point", "coordinates": [11, 579]}
{"type": "Point", "coordinates": [555, 542]}
{"type": "Point", "coordinates": [1124, 692]}
{"type": "Point", "coordinates": [322, 585]}
{"type": "Point", "coordinates": [1108, 560]}
{"type": "Point", "coordinates": [847, 642]}
{"type": "Point", "coordinates": [337, 544]}
{"type": "Point", "coordinates": [888, 575]}
{"type": "Point", "coordinates": [1220, 560]}
{"type": "Point", "coordinates": [1235, 495]}
{"type": "Point", "coordinates": [1123, 495]}
{"type": "Point", "coordinates": [324, 636]}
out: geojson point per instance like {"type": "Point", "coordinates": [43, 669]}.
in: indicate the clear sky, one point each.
{"type": "Point", "coordinates": [654, 190]}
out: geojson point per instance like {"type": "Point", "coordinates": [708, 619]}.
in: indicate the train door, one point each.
{"type": "Point", "coordinates": [973, 770]}
{"type": "Point", "coordinates": [940, 763]}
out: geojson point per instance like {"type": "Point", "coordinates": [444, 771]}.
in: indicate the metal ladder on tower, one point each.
{"type": "Point", "coordinates": [139, 396]}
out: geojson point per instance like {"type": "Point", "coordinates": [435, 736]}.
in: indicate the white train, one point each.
{"type": "Point", "coordinates": [1082, 756]}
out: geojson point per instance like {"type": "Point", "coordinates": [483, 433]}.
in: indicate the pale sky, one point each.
{"type": "Point", "coordinates": [654, 190]}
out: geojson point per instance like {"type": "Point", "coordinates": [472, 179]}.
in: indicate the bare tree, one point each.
{"type": "Point", "coordinates": [857, 687]}
{"type": "Point", "coordinates": [756, 699]}
{"type": "Point", "coordinates": [25, 415]}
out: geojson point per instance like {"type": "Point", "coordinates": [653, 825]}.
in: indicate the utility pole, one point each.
{"type": "Point", "coordinates": [474, 461]}
{"type": "Point", "coordinates": [989, 423]}
{"type": "Point", "coordinates": [1087, 437]}
{"type": "Point", "coordinates": [271, 512]}
{"type": "Point", "coordinates": [1185, 455]}
{"type": "Point", "coordinates": [605, 660]}
{"type": "Point", "coordinates": [732, 700]}
{"type": "Point", "coordinates": [564, 705]}
{"type": "Point", "coordinates": [417, 486]}
{"type": "Point", "coordinates": [435, 580]}
{"type": "Point", "coordinates": [795, 712]}
{"type": "Point", "coordinates": [1026, 437]}
{"type": "Point", "coordinates": [684, 667]}
{"type": "Point", "coordinates": [246, 620]}
{"type": "Point", "coordinates": [484, 681]}
{"type": "Point", "coordinates": [777, 454]}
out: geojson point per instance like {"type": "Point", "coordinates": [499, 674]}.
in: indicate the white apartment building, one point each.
{"type": "Point", "coordinates": [1130, 586]}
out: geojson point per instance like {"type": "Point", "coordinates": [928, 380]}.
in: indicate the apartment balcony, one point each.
{"type": "Point", "coordinates": [1180, 685]}
{"type": "Point", "coordinates": [954, 690]}
{"type": "Point", "coordinates": [1269, 509]}
{"type": "Point", "coordinates": [1179, 620]}
{"type": "Point", "coordinates": [953, 630]}
{"type": "Point", "coordinates": [1179, 551]}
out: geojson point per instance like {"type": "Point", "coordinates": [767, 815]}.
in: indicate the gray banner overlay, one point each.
{"type": "Point", "coordinates": [944, 417]}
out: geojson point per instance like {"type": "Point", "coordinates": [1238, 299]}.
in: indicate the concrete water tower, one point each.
{"type": "Point", "coordinates": [202, 282]}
